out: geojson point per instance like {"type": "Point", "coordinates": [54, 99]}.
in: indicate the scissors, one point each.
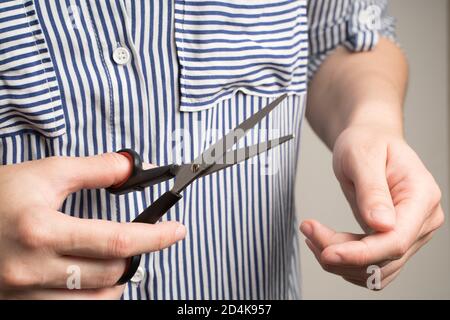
{"type": "Point", "coordinates": [215, 158]}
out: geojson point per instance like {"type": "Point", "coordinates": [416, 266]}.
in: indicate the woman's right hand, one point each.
{"type": "Point", "coordinates": [39, 246]}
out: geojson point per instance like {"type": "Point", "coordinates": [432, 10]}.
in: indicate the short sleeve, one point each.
{"type": "Point", "coordinates": [355, 24]}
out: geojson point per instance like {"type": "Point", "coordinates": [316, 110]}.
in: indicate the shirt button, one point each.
{"type": "Point", "coordinates": [371, 17]}
{"type": "Point", "coordinates": [138, 276]}
{"type": "Point", "coordinates": [121, 56]}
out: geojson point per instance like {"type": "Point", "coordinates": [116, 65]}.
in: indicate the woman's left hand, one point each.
{"type": "Point", "coordinates": [393, 197]}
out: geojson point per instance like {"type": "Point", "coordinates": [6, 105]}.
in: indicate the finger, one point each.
{"type": "Point", "coordinates": [65, 294]}
{"type": "Point", "coordinates": [56, 272]}
{"type": "Point", "coordinates": [145, 166]}
{"type": "Point", "coordinates": [387, 280]}
{"type": "Point", "coordinates": [390, 271]}
{"type": "Point", "coordinates": [353, 272]}
{"type": "Point", "coordinates": [359, 275]}
{"type": "Point", "coordinates": [391, 245]}
{"type": "Point", "coordinates": [349, 192]}
{"type": "Point", "coordinates": [383, 283]}
{"type": "Point", "coordinates": [367, 251]}
{"type": "Point", "coordinates": [412, 214]}
{"type": "Point", "coordinates": [85, 273]}
{"type": "Point", "coordinates": [433, 222]}
{"type": "Point", "coordinates": [373, 197]}
{"type": "Point", "coordinates": [393, 266]}
{"type": "Point", "coordinates": [322, 236]}
{"type": "Point", "coordinates": [101, 171]}
{"type": "Point", "coordinates": [105, 239]}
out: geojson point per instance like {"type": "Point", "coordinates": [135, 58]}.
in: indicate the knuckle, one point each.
{"type": "Point", "coordinates": [116, 271]}
{"type": "Point", "coordinates": [32, 232]}
{"type": "Point", "coordinates": [436, 194]}
{"type": "Point", "coordinates": [363, 257]}
{"type": "Point", "coordinates": [163, 240]}
{"type": "Point", "coordinates": [113, 158]}
{"type": "Point", "coordinates": [114, 161]}
{"type": "Point", "coordinates": [368, 150]}
{"type": "Point", "coordinates": [400, 249]}
{"type": "Point", "coordinates": [119, 245]}
{"type": "Point", "coordinates": [356, 151]}
{"type": "Point", "coordinates": [104, 280]}
{"type": "Point", "coordinates": [375, 193]}
{"type": "Point", "coordinates": [376, 189]}
{"type": "Point", "coordinates": [428, 187]}
{"type": "Point", "coordinates": [440, 219]}
{"type": "Point", "coordinates": [111, 276]}
{"type": "Point", "coordinates": [160, 239]}
{"type": "Point", "coordinates": [13, 276]}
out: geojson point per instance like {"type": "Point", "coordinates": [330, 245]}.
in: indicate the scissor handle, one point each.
{"type": "Point", "coordinates": [150, 215]}
{"type": "Point", "coordinates": [139, 178]}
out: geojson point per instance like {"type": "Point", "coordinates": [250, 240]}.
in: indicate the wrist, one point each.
{"type": "Point", "coordinates": [387, 118]}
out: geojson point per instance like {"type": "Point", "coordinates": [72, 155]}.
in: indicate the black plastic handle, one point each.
{"type": "Point", "coordinates": [158, 208]}
{"type": "Point", "coordinates": [139, 178]}
{"type": "Point", "coordinates": [150, 215]}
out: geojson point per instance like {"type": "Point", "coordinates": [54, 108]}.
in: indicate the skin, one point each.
{"type": "Point", "coordinates": [355, 106]}
{"type": "Point", "coordinates": [38, 243]}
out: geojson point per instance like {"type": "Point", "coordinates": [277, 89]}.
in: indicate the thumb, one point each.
{"type": "Point", "coordinates": [93, 172]}
{"type": "Point", "coordinates": [373, 197]}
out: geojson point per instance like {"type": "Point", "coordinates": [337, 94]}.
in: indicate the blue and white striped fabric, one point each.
{"type": "Point", "coordinates": [355, 24]}
{"type": "Point", "coordinates": [198, 68]}
{"type": "Point", "coordinates": [258, 48]}
{"type": "Point", "coordinates": [29, 94]}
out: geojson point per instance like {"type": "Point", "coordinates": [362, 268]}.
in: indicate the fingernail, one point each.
{"type": "Point", "coordinates": [180, 233]}
{"type": "Point", "coordinates": [333, 258]}
{"type": "Point", "coordinates": [306, 229]}
{"type": "Point", "coordinates": [383, 216]}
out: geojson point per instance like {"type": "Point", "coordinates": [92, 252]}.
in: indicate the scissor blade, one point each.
{"type": "Point", "coordinates": [221, 147]}
{"type": "Point", "coordinates": [216, 152]}
{"type": "Point", "coordinates": [246, 153]}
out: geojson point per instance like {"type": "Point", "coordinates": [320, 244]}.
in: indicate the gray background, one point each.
{"type": "Point", "coordinates": [423, 30]}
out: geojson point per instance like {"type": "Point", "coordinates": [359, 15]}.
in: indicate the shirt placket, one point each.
{"type": "Point", "coordinates": [114, 23]}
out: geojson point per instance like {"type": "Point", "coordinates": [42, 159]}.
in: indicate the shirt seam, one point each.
{"type": "Point", "coordinates": [54, 129]}
{"type": "Point", "coordinates": [183, 60]}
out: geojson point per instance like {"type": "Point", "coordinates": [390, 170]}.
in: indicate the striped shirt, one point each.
{"type": "Point", "coordinates": [167, 78]}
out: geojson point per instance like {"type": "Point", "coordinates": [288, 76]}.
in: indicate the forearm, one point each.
{"type": "Point", "coordinates": [353, 89]}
